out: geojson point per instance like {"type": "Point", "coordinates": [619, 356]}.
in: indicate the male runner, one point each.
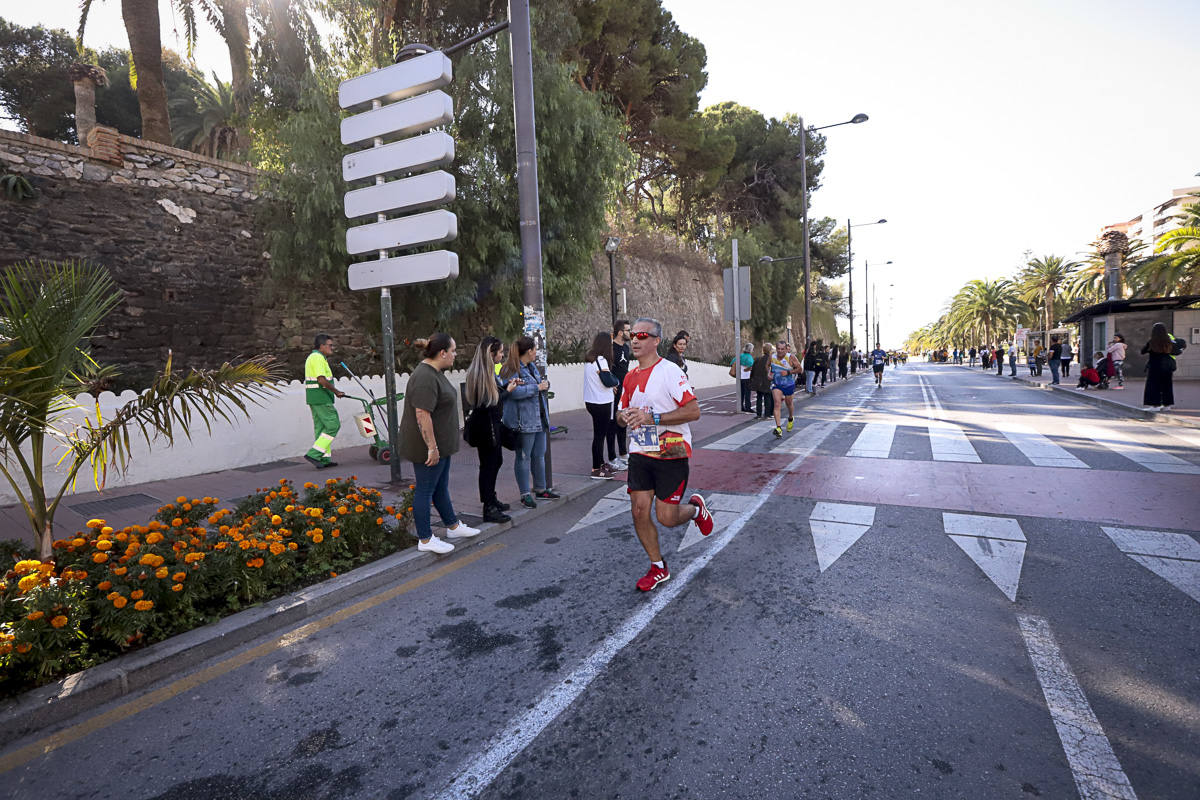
{"type": "Point", "coordinates": [657, 404]}
{"type": "Point", "coordinates": [784, 369]}
{"type": "Point", "coordinates": [878, 357]}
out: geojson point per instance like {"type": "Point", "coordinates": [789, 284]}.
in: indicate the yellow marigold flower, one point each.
{"type": "Point", "coordinates": [122, 537]}
{"type": "Point", "coordinates": [178, 576]}
{"type": "Point", "coordinates": [119, 601]}
{"type": "Point", "coordinates": [144, 605]}
{"type": "Point", "coordinates": [309, 485]}
{"type": "Point", "coordinates": [161, 572]}
{"type": "Point", "coordinates": [29, 565]}
{"type": "Point", "coordinates": [177, 587]}
{"type": "Point", "coordinates": [154, 537]}
{"type": "Point", "coordinates": [289, 508]}
{"type": "Point", "coordinates": [78, 542]}
{"type": "Point", "coordinates": [34, 616]}
{"type": "Point", "coordinates": [99, 558]}
{"type": "Point", "coordinates": [330, 481]}
{"type": "Point", "coordinates": [318, 538]}
{"type": "Point", "coordinates": [95, 524]}
{"type": "Point", "coordinates": [104, 586]}
{"type": "Point", "coordinates": [104, 545]}
{"type": "Point", "coordinates": [58, 621]}
{"type": "Point", "coordinates": [276, 520]}
{"type": "Point", "coordinates": [343, 510]}
{"type": "Point", "coordinates": [24, 647]}
{"type": "Point", "coordinates": [28, 582]}
{"type": "Point", "coordinates": [136, 594]}
{"type": "Point", "coordinates": [106, 530]}
{"type": "Point", "coordinates": [120, 570]}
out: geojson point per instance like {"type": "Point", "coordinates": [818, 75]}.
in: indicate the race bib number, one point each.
{"type": "Point", "coordinates": [646, 438]}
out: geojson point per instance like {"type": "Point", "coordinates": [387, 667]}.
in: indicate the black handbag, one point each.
{"type": "Point", "coordinates": [508, 437]}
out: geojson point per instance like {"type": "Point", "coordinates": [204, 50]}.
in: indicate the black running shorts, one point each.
{"type": "Point", "coordinates": [666, 477]}
{"type": "Point", "coordinates": [878, 369]}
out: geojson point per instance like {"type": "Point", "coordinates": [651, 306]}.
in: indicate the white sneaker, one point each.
{"type": "Point", "coordinates": [618, 464]}
{"type": "Point", "coordinates": [461, 531]}
{"type": "Point", "coordinates": [435, 545]}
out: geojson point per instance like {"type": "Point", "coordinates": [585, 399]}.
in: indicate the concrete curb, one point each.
{"type": "Point", "coordinates": [1094, 398]}
{"type": "Point", "coordinates": [76, 694]}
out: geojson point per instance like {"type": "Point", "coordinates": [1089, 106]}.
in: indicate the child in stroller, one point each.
{"type": "Point", "coordinates": [1094, 377]}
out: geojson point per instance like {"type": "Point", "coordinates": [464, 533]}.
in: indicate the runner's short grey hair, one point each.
{"type": "Point", "coordinates": [657, 325]}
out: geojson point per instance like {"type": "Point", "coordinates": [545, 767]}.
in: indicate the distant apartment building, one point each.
{"type": "Point", "coordinates": [1150, 226]}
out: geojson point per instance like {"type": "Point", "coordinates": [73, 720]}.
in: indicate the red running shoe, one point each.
{"type": "Point", "coordinates": [704, 517]}
{"type": "Point", "coordinates": [653, 577]}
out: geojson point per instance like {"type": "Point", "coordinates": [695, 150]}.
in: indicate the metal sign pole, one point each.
{"type": "Point", "coordinates": [737, 328]}
{"type": "Point", "coordinates": [389, 349]}
{"type": "Point", "coordinates": [527, 186]}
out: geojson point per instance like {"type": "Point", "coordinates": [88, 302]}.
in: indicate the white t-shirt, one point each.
{"type": "Point", "coordinates": [661, 389]}
{"type": "Point", "coordinates": [593, 390]}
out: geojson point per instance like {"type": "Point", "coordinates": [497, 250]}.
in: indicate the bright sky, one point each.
{"type": "Point", "coordinates": [995, 128]}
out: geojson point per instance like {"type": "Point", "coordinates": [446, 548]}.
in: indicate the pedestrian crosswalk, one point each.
{"type": "Point", "coordinates": [1072, 446]}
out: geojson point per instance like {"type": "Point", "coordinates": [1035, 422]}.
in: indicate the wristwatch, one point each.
{"type": "Point", "coordinates": [657, 419]}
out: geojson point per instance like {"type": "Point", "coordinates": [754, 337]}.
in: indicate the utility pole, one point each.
{"type": "Point", "coordinates": [850, 278]}
{"type": "Point", "coordinates": [737, 325]}
{"type": "Point", "coordinates": [804, 214]}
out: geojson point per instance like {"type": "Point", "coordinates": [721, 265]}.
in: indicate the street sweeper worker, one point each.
{"type": "Point", "coordinates": [319, 393]}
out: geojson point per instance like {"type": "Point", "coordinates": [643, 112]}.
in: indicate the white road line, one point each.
{"type": "Point", "coordinates": [1038, 449]}
{"type": "Point", "coordinates": [1191, 436]}
{"type": "Point", "coordinates": [874, 441]}
{"type": "Point", "coordinates": [1098, 774]}
{"type": "Point", "coordinates": [737, 439]}
{"type": "Point", "coordinates": [947, 441]}
{"type": "Point", "coordinates": [1145, 455]}
{"type": "Point", "coordinates": [483, 768]}
{"type": "Point", "coordinates": [807, 438]}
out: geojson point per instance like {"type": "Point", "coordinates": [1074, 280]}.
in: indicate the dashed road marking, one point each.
{"type": "Point", "coordinates": [1038, 449]}
{"type": "Point", "coordinates": [1152, 458]}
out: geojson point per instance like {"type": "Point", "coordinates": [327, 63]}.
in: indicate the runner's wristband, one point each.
{"type": "Point", "coordinates": [657, 419]}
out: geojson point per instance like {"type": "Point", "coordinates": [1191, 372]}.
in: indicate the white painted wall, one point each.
{"type": "Point", "coordinates": [282, 428]}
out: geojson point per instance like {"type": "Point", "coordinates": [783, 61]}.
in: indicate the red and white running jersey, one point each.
{"type": "Point", "coordinates": [661, 389]}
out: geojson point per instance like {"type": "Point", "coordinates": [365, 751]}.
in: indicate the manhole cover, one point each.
{"type": "Point", "coordinates": [107, 506]}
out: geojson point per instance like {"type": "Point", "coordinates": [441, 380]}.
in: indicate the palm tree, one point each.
{"type": "Point", "coordinates": [1041, 281]}
{"type": "Point", "coordinates": [987, 304]}
{"type": "Point", "coordinates": [204, 122]}
{"type": "Point", "coordinates": [48, 312]}
{"type": "Point", "coordinates": [1088, 282]}
{"type": "Point", "coordinates": [1175, 266]}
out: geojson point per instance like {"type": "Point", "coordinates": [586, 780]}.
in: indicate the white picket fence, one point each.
{"type": "Point", "coordinates": [281, 427]}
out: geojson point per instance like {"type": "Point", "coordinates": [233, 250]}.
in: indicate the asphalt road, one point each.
{"type": "Point", "coordinates": [950, 586]}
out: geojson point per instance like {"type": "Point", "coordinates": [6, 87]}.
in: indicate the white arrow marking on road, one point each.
{"type": "Point", "coordinates": [605, 508]}
{"type": "Point", "coordinates": [835, 527]}
{"type": "Point", "coordinates": [875, 441]}
{"type": "Point", "coordinates": [1147, 456]}
{"type": "Point", "coordinates": [1094, 765]}
{"type": "Point", "coordinates": [995, 544]}
{"type": "Point", "coordinates": [1040, 451]}
{"type": "Point", "coordinates": [1174, 557]}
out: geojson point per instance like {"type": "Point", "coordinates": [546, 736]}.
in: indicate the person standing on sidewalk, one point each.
{"type": "Point", "coordinates": [526, 413]}
{"type": "Point", "coordinates": [620, 368]}
{"type": "Point", "coordinates": [484, 397]}
{"type": "Point", "coordinates": [1116, 354]}
{"type": "Point", "coordinates": [1012, 359]}
{"type": "Point", "coordinates": [598, 398]}
{"type": "Point", "coordinates": [677, 349]}
{"type": "Point", "coordinates": [657, 403]}
{"type": "Point", "coordinates": [319, 394]}
{"type": "Point", "coordinates": [810, 365]}
{"type": "Point", "coordinates": [1162, 348]}
{"type": "Point", "coordinates": [429, 437]}
{"type": "Point", "coordinates": [1054, 357]}
{"type": "Point", "coordinates": [1000, 359]}
{"type": "Point", "coordinates": [971, 355]}
{"type": "Point", "coordinates": [745, 363]}
{"type": "Point", "coordinates": [843, 361]}
{"type": "Point", "coordinates": [1067, 356]}
{"type": "Point", "coordinates": [760, 382]}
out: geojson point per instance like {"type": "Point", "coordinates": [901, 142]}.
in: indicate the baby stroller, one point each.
{"type": "Point", "coordinates": [1106, 369]}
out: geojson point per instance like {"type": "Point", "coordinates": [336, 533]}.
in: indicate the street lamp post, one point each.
{"type": "Point", "coordinates": [850, 270]}
{"type": "Point", "coordinates": [610, 246]}
{"type": "Point", "coordinates": [870, 292]}
{"type": "Point", "coordinates": [858, 118]}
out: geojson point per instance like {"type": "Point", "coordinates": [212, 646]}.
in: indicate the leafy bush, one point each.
{"type": "Point", "coordinates": [107, 590]}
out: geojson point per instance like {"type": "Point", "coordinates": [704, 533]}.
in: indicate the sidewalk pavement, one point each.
{"type": "Point", "coordinates": [570, 457]}
{"type": "Point", "coordinates": [1186, 410]}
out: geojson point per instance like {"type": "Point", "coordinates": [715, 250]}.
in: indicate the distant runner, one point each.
{"type": "Point", "coordinates": [878, 358]}
{"type": "Point", "coordinates": [657, 404]}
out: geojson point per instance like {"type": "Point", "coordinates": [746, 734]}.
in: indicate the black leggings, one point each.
{"type": "Point", "coordinates": [601, 432]}
{"type": "Point", "coordinates": [490, 461]}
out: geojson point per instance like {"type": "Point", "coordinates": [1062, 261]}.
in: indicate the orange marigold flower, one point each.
{"type": "Point", "coordinates": [244, 544]}
{"type": "Point", "coordinates": [24, 647]}
{"type": "Point", "coordinates": [379, 520]}
{"type": "Point", "coordinates": [121, 537]}
{"type": "Point", "coordinates": [119, 601]}
{"type": "Point", "coordinates": [154, 538]}
{"type": "Point", "coordinates": [113, 595]}
{"type": "Point", "coordinates": [120, 570]}
{"type": "Point", "coordinates": [187, 506]}
{"type": "Point", "coordinates": [144, 605]}
{"type": "Point", "coordinates": [99, 558]}
{"type": "Point", "coordinates": [181, 499]}
{"type": "Point", "coordinates": [104, 545]}
{"type": "Point", "coordinates": [289, 508]}
{"type": "Point", "coordinates": [178, 576]}
{"type": "Point", "coordinates": [177, 587]}
{"type": "Point", "coordinates": [78, 542]}
{"type": "Point", "coordinates": [28, 565]}
{"type": "Point", "coordinates": [104, 586]}
{"type": "Point", "coordinates": [176, 523]}
{"type": "Point", "coordinates": [161, 572]}
{"type": "Point", "coordinates": [220, 545]}
{"type": "Point", "coordinates": [136, 594]}
{"type": "Point", "coordinates": [276, 520]}
{"type": "Point", "coordinates": [358, 508]}
{"type": "Point", "coordinates": [318, 538]}
{"type": "Point", "coordinates": [106, 530]}
{"type": "Point", "coordinates": [58, 621]}
{"type": "Point", "coordinates": [309, 485]}
{"type": "Point", "coordinates": [390, 509]}
{"type": "Point", "coordinates": [293, 546]}
{"type": "Point", "coordinates": [34, 616]}
{"type": "Point", "coordinates": [333, 574]}
{"type": "Point", "coordinates": [277, 548]}
{"type": "Point", "coordinates": [224, 529]}
{"type": "Point", "coordinates": [95, 524]}
{"type": "Point", "coordinates": [343, 510]}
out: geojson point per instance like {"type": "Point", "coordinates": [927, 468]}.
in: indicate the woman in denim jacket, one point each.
{"type": "Point", "coordinates": [525, 413]}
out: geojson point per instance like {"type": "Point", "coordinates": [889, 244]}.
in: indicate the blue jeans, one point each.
{"type": "Point", "coordinates": [1055, 366]}
{"type": "Point", "coordinates": [809, 377]}
{"type": "Point", "coordinates": [531, 454]}
{"type": "Point", "coordinates": [433, 486]}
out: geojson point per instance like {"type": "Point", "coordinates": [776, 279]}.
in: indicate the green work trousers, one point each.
{"type": "Point", "coordinates": [326, 425]}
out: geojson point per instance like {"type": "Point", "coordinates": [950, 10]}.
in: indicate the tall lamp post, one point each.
{"type": "Point", "coordinates": [850, 270]}
{"type": "Point", "coordinates": [610, 246]}
{"type": "Point", "coordinates": [858, 118]}
{"type": "Point", "coordinates": [870, 291]}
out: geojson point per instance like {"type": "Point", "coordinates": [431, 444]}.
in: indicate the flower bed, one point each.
{"type": "Point", "coordinates": [107, 591]}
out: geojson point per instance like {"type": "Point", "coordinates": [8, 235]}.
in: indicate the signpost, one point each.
{"type": "Point", "coordinates": [737, 307]}
{"type": "Point", "coordinates": [399, 101]}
